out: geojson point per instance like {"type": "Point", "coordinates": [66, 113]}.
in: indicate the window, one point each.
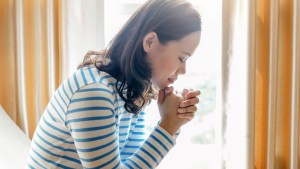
{"type": "Point", "coordinates": [198, 146]}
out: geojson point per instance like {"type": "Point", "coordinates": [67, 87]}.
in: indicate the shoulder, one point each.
{"type": "Point", "coordinates": [88, 81]}
{"type": "Point", "coordinates": [90, 77]}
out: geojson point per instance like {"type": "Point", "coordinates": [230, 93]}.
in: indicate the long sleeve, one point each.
{"type": "Point", "coordinates": [151, 152]}
{"type": "Point", "coordinates": [153, 149]}
{"type": "Point", "coordinates": [93, 126]}
{"type": "Point", "coordinates": [137, 136]}
{"type": "Point", "coordinates": [91, 121]}
{"type": "Point", "coordinates": [85, 126]}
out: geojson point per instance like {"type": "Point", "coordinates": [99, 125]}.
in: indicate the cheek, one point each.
{"type": "Point", "coordinates": [170, 66]}
{"type": "Point", "coordinates": [164, 71]}
{"type": "Point", "coordinates": [163, 65]}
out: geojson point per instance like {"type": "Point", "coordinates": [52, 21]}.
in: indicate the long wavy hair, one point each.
{"type": "Point", "coordinates": [125, 58]}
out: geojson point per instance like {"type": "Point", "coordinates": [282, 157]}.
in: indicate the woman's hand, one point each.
{"type": "Point", "coordinates": [168, 104]}
{"type": "Point", "coordinates": [187, 107]}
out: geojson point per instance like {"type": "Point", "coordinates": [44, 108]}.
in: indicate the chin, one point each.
{"type": "Point", "coordinates": [160, 86]}
{"type": "Point", "coordinates": [163, 86]}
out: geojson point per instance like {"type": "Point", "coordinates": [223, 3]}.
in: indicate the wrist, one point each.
{"type": "Point", "coordinates": [171, 129]}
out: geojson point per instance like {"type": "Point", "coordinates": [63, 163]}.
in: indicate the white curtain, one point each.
{"type": "Point", "coordinates": [82, 30]}
{"type": "Point", "coordinates": [238, 78]}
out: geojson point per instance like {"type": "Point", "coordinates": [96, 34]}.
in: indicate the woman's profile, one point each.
{"type": "Point", "coordinates": [96, 118]}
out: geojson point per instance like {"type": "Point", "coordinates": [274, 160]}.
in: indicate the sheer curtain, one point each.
{"type": "Point", "coordinates": [42, 41]}
{"type": "Point", "coordinates": [261, 80]}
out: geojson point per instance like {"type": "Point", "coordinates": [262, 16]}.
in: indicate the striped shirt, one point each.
{"type": "Point", "coordinates": [85, 125]}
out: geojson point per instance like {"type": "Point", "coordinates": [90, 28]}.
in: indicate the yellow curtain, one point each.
{"type": "Point", "coordinates": [265, 33]}
{"type": "Point", "coordinates": [30, 58]}
{"type": "Point", "coordinates": [277, 84]}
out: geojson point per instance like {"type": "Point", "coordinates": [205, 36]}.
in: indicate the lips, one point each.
{"type": "Point", "coordinates": [172, 80]}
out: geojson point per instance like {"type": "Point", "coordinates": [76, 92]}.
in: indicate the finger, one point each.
{"type": "Point", "coordinates": [189, 102]}
{"type": "Point", "coordinates": [187, 109]}
{"type": "Point", "coordinates": [184, 92]}
{"type": "Point", "coordinates": [192, 93]}
{"type": "Point", "coordinates": [161, 96]}
{"type": "Point", "coordinates": [188, 116]}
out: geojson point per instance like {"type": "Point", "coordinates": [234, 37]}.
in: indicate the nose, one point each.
{"type": "Point", "coordinates": [182, 69]}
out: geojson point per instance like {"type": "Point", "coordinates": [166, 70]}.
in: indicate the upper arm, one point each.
{"type": "Point", "coordinates": [91, 120]}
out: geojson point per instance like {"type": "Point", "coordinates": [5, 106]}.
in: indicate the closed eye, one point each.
{"type": "Point", "coordinates": [181, 60]}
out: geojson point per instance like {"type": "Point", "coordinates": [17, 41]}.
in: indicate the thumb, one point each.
{"type": "Point", "coordinates": [161, 96]}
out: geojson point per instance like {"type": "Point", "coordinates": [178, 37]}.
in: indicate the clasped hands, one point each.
{"type": "Point", "coordinates": [176, 109]}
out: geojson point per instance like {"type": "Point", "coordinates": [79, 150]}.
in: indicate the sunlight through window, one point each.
{"type": "Point", "coordinates": [198, 145]}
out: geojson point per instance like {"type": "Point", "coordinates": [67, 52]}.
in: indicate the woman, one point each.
{"type": "Point", "coordinates": [95, 118]}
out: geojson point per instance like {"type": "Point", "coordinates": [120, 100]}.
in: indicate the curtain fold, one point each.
{"type": "Point", "coordinates": [29, 58]}
{"type": "Point", "coordinates": [266, 85]}
{"type": "Point", "coordinates": [295, 109]}
{"type": "Point", "coordinates": [42, 42]}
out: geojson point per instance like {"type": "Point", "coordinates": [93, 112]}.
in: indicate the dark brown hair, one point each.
{"type": "Point", "coordinates": [124, 58]}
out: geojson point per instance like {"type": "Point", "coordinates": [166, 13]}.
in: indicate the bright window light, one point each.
{"type": "Point", "coordinates": [198, 145]}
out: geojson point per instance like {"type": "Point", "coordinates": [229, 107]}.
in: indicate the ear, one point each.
{"type": "Point", "coordinates": [149, 40]}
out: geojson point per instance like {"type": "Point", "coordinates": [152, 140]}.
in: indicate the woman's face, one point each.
{"type": "Point", "coordinates": [169, 60]}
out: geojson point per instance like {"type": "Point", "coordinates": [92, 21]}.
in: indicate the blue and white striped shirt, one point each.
{"type": "Point", "coordinates": [85, 125]}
